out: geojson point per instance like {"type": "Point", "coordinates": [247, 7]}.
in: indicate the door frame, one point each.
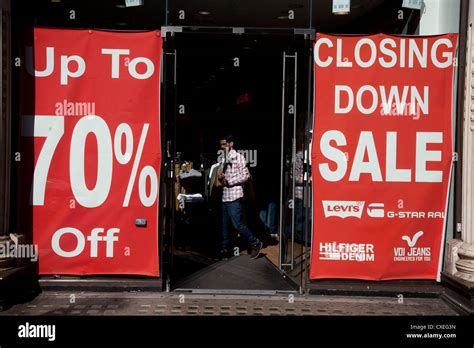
{"type": "Point", "coordinates": [169, 92]}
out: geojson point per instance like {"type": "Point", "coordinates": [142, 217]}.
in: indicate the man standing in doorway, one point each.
{"type": "Point", "coordinates": [233, 176]}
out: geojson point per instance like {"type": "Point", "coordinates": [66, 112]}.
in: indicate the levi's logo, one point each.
{"type": "Point", "coordinates": [343, 209]}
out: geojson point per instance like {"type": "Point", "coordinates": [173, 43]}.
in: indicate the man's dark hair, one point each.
{"type": "Point", "coordinates": [229, 138]}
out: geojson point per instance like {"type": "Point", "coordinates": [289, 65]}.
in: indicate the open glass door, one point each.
{"type": "Point", "coordinates": [294, 210]}
{"type": "Point", "coordinates": [230, 81]}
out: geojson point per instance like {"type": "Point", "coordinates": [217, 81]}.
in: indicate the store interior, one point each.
{"type": "Point", "coordinates": [229, 84]}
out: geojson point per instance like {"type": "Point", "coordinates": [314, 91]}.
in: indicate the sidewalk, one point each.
{"type": "Point", "coordinates": [156, 303]}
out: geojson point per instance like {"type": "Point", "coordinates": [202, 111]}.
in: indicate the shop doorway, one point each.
{"type": "Point", "coordinates": [254, 86]}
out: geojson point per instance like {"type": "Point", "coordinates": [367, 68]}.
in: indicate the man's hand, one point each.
{"type": "Point", "coordinates": [221, 178]}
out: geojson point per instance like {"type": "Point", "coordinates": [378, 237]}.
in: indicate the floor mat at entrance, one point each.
{"type": "Point", "coordinates": [238, 273]}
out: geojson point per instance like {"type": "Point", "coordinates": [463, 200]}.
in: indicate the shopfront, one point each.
{"type": "Point", "coordinates": [350, 138]}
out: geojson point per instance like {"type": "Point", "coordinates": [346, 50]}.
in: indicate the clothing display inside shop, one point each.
{"type": "Point", "coordinates": [194, 185]}
{"type": "Point", "coordinates": [191, 173]}
{"type": "Point", "coordinates": [193, 197]}
{"type": "Point", "coordinates": [194, 219]}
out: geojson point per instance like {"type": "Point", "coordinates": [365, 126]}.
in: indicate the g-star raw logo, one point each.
{"type": "Point", "coordinates": [376, 210]}
{"type": "Point", "coordinates": [414, 253]}
{"type": "Point", "coordinates": [343, 209]}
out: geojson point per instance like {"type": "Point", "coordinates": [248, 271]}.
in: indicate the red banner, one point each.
{"type": "Point", "coordinates": [381, 155]}
{"type": "Point", "coordinates": [90, 133]}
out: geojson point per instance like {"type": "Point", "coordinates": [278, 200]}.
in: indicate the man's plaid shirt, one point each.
{"type": "Point", "coordinates": [236, 174]}
{"type": "Point", "coordinates": [299, 175]}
